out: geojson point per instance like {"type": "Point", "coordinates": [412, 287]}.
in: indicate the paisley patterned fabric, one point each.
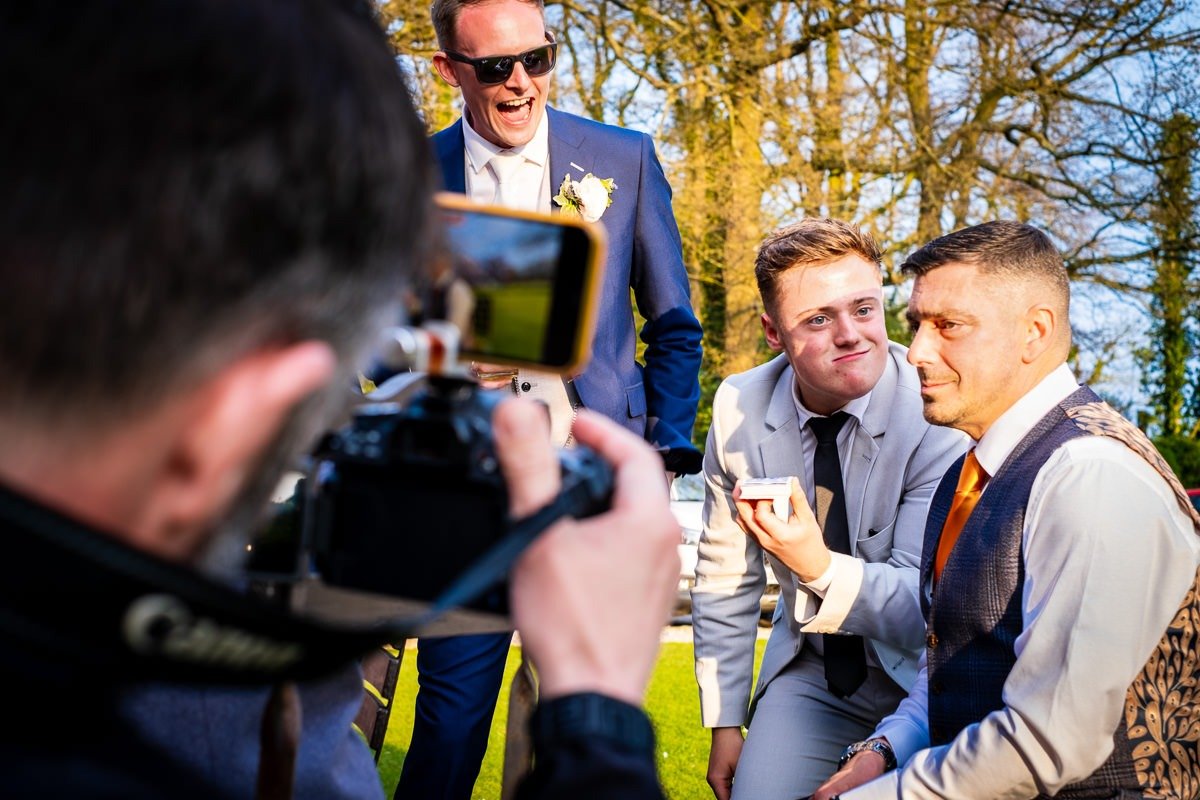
{"type": "Point", "coordinates": [1162, 705]}
{"type": "Point", "coordinates": [1101, 419]}
{"type": "Point", "coordinates": [1162, 710]}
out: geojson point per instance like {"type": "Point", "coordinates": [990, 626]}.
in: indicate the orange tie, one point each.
{"type": "Point", "coordinates": [970, 486]}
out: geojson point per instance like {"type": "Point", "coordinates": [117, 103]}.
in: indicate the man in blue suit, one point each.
{"type": "Point", "coordinates": [510, 149]}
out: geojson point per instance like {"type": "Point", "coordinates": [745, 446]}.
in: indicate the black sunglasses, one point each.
{"type": "Point", "coordinates": [496, 69]}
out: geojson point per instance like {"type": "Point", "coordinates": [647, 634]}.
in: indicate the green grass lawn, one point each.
{"type": "Point", "coordinates": [672, 701]}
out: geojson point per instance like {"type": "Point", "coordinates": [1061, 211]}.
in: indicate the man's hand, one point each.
{"type": "Point", "coordinates": [590, 597]}
{"type": "Point", "coordinates": [723, 759]}
{"type": "Point", "coordinates": [862, 768]}
{"type": "Point", "coordinates": [798, 543]}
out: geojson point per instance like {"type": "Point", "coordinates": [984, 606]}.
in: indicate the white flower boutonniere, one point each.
{"type": "Point", "coordinates": [587, 197]}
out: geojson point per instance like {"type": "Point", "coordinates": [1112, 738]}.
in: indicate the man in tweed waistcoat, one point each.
{"type": "Point", "coordinates": [1060, 561]}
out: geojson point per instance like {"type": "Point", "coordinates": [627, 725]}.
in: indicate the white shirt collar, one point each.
{"type": "Point", "coordinates": [480, 150]}
{"type": "Point", "coordinates": [1012, 426]}
{"type": "Point", "coordinates": [855, 408]}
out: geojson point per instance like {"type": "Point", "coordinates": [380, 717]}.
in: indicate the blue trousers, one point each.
{"type": "Point", "coordinates": [458, 681]}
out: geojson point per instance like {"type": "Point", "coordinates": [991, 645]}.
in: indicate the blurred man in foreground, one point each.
{"type": "Point", "coordinates": [1060, 568]}
{"type": "Point", "coordinates": [207, 210]}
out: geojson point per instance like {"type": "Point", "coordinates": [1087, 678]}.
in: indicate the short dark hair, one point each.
{"type": "Point", "coordinates": [444, 14]}
{"type": "Point", "coordinates": [1010, 250]}
{"type": "Point", "coordinates": [810, 242]}
{"type": "Point", "coordinates": [184, 181]}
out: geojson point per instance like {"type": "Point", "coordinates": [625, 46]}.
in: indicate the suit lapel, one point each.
{"type": "Point", "coordinates": [780, 448]}
{"type": "Point", "coordinates": [866, 448]}
{"type": "Point", "coordinates": [449, 148]}
{"type": "Point", "coordinates": [782, 456]}
{"type": "Point", "coordinates": [567, 154]}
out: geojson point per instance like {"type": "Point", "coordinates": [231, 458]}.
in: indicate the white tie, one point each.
{"type": "Point", "coordinates": [504, 167]}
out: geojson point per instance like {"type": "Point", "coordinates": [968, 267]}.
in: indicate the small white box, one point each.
{"type": "Point", "coordinates": [777, 490]}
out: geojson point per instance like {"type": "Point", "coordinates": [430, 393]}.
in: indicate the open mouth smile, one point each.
{"type": "Point", "coordinates": [516, 110]}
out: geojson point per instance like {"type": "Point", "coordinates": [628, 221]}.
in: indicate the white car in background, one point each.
{"type": "Point", "coordinates": [687, 501]}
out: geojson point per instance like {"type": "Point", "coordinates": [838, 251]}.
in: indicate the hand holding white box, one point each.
{"type": "Point", "coordinates": [777, 490]}
{"type": "Point", "coordinates": [796, 538]}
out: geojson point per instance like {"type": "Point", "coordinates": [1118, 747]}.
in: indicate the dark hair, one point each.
{"type": "Point", "coordinates": [444, 14]}
{"type": "Point", "coordinates": [1011, 250]}
{"type": "Point", "coordinates": [810, 242]}
{"type": "Point", "coordinates": [184, 180]}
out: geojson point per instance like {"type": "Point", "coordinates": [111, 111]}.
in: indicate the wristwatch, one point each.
{"type": "Point", "coordinates": [880, 746]}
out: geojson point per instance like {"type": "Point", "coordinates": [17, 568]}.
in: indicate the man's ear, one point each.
{"type": "Point", "coordinates": [771, 333]}
{"type": "Point", "coordinates": [1040, 332]}
{"type": "Point", "coordinates": [232, 418]}
{"type": "Point", "coordinates": [441, 62]}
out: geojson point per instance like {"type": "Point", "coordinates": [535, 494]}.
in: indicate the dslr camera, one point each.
{"type": "Point", "coordinates": [407, 500]}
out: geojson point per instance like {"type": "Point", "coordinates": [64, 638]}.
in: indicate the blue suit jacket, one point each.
{"type": "Point", "coordinates": [658, 400]}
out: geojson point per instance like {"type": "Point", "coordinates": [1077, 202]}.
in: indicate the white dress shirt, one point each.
{"type": "Point", "coordinates": [1108, 557]}
{"type": "Point", "coordinates": [533, 175]}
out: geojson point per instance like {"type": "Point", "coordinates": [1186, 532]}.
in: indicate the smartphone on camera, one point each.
{"type": "Point", "coordinates": [518, 285]}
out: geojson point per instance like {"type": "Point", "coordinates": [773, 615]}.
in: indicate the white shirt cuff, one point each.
{"type": "Point", "coordinates": [845, 575]}
{"type": "Point", "coordinates": [820, 584]}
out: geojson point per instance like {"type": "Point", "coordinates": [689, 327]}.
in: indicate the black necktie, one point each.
{"type": "Point", "coordinates": [845, 659]}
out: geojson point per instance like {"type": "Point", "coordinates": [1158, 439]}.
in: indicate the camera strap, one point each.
{"type": "Point", "coordinates": [77, 595]}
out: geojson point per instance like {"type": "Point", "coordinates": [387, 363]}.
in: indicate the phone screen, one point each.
{"type": "Point", "coordinates": [518, 286]}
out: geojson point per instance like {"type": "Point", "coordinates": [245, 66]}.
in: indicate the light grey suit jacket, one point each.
{"type": "Point", "coordinates": [896, 463]}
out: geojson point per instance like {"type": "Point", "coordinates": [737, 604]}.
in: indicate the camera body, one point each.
{"type": "Point", "coordinates": [409, 495]}
{"type": "Point", "coordinates": [407, 498]}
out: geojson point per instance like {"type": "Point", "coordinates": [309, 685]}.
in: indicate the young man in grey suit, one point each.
{"type": "Point", "coordinates": [840, 410]}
